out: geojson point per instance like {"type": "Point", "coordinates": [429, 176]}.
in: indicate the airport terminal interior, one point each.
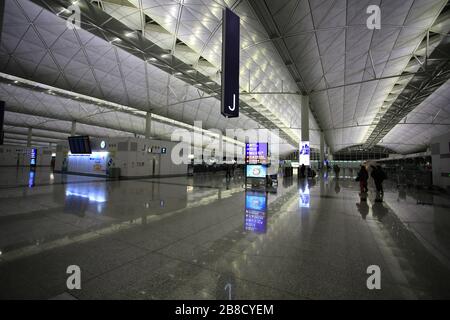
{"type": "Point", "coordinates": [224, 149]}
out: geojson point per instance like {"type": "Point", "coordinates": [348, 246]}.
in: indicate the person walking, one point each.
{"type": "Point", "coordinates": [378, 176]}
{"type": "Point", "coordinates": [302, 171]}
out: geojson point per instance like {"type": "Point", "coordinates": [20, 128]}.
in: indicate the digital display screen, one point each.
{"type": "Point", "coordinates": [33, 157]}
{"type": "Point", "coordinates": [80, 145]}
{"type": "Point", "coordinates": [256, 171]}
{"type": "Point", "coordinates": [255, 212]}
{"type": "Point", "coordinates": [256, 153]}
{"type": "Point", "coordinates": [304, 153]}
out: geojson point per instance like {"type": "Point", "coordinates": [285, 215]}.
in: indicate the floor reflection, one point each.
{"type": "Point", "coordinates": [255, 211]}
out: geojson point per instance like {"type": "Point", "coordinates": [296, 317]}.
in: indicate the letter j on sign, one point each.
{"type": "Point", "coordinates": [230, 64]}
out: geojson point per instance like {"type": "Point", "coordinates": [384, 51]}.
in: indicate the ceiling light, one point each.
{"type": "Point", "coordinates": [151, 59]}
{"type": "Point", "coordinates": [129, 34]}
{"type": "Point", "coordinates": [165, 55]}
{"type": "Point", "coordinates": [190, 71]}
{"type": "Point", "coordinates": [16, 81]}
{"type": "Point", "coordinates": [177, 74]}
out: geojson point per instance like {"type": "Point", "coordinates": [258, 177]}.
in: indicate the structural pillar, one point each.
{"type": "Point", "coordinates": [148, 125]}
{"type": "Point", "coordinates": [305, 117]}
{"type": "Point", "coordinates": [30, 134]}
{"type": "Point", "coordinates": [73, 130]}
{"type": "Point", "coordinates": [2, 119]}
{"type": "Point", "coordinates": [322, 149]}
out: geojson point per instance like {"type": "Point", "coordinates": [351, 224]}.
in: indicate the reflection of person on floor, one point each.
{"type": "Point", "coordinates": [363, 208]}
{"type": "Point", "coordinates": [337, 187]}
{"type": "Point", "coordinates": [401, 194]}
{"type": "Point", "coordinates": [228, 170]}
{"type": "Point", "coordinates": [362, 177]}
{"type": "Point", "coordinates": [379, 210]}
{"type": "Point", "coordinates": [336, 171]}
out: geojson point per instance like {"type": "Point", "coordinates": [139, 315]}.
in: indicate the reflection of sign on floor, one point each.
{"type": "Point", "coordinates": [97, 167]}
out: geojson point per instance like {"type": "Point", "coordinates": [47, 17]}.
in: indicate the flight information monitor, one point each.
{"type": "Point", "coordinates": [80, 145]}
{"type": "Point", "coordinates": [256, 153]}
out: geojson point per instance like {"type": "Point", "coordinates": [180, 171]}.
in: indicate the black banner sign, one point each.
{"type": "Point", "coordinates": [230, 64]}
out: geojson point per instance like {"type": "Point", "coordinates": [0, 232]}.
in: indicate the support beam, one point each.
{"type": "Point", "coordinates": [148, 125]}
{"type": "Point", "coordinates": [305, 118]}
{"type": "Point", "coordinates": [322, 149]}
{"type": "Point", "coordinates": [2, 119]}
{"type": "Point", "coordinates": [73, 130]}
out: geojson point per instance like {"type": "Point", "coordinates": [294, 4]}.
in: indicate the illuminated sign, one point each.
{"type": "Point", "coordinates": [158, 150]}
{"type": "Point", "coordinates": [256, 171]}
{"type": "Point", "coordinates": [304, 153]}
{"type": "Point", "coordinates": [33, 157]}
{"type": "Point", "coordinates": [230, 64]}
{"type": "Point", "coordinates": [256, 153]}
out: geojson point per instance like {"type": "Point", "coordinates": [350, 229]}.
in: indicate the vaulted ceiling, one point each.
{"type": "Point", "coordinates": [164, 56]}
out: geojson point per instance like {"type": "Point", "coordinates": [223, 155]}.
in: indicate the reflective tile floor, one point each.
{"type": "Point", "coordinates": [205, 238]}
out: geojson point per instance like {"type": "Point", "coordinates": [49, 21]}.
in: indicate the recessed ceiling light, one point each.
{"type": "Point", "coordinates": [151, 59]}
{"type": "Point", "coordinates": [177, 74]}
{"type": "Point", "coordinates": [165, 55]}
{"type": "Point", "coordinates": [16, 81]}
{"type": "Point", "coordinates": [190, 71]}
{"type": "Point", "coordinates": [129, 34]}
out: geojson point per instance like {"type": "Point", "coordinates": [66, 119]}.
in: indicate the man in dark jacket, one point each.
{"type": "Point", "coordinates": [378, 177]}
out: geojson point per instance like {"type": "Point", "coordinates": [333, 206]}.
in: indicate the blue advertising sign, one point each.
{"type": "Point", "coordinates": [304, 153]}
{"type": "Point", "coordinates": [230, 64]}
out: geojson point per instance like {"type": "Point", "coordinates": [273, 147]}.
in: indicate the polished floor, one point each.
{"type": "Point", "coordinates": [207, 238]}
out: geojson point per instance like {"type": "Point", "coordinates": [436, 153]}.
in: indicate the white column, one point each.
{"type": "Point", "coordinates": [305, 118]}
{"type": "Point", "coordinates": [322, 148]}
{"type": "Point", "coordinates": [73, 130]}
{"type": "Point", "coordinates": [30, 134]}
{"type": "Point", "coordinates": [148, 125]}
